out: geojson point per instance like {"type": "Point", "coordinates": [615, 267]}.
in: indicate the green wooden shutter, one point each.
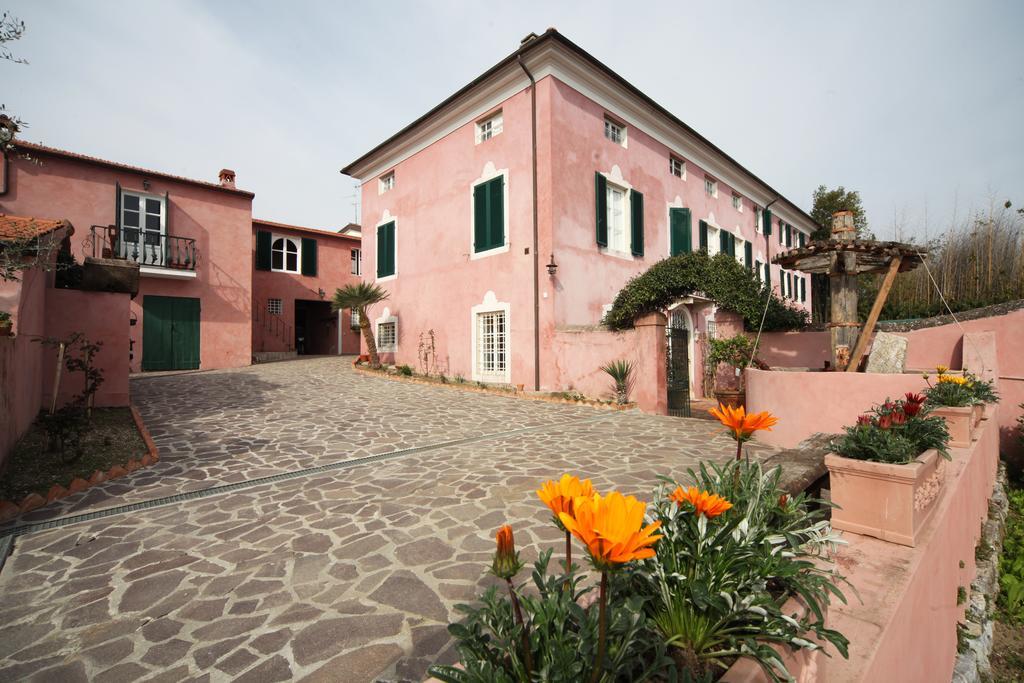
{"type": "Point", "coordinates": [185, 333]}
{"type": "Point", "coordinates": [789, 235]}
{"type": "Point", "coordinates": [723, 241]}
{"type": "Point", "coordinates": [680, 235]}
{"type": "Point", "coordinates": [802, 240]}
{"type": "Point", "coordinates": [386, 249]}
{"type": "Point", "coordinates": [636, 209]}
{"type": "Point", "coordinates": [496, 212]}
{"type": "Point", "coordinates": [732, 245]}
{"type": "Point", "coordinates": [601, 204]}
{"type": "Point", "coordinates": [262, 250]}
{"type": "Point", "coordinates": [768, 274]}
{"type": "Point", "coordinates": [748, 255]}
{"type": "Point", "coordinates": [781, 231]}
{"type": "Point", "coordinates": [480, 218]}
{"type": "Point", "coordinates": [309, 256]}
{"type": "Point", "coordinates": [766, 220]}
{"type": "Point", "coordinates": [803, 289]}
{"type": "Point", "coordinates": [702, 228]}
{"type": "Point", "coordinates": [392, 248]}
{"type": "Point", "coordinates": [757, 270]}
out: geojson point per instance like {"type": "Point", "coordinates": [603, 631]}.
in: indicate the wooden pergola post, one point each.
{"type": "Point", "coordinates": [876, 310]}
{"type": "Point", "coordinates": [844, 325]}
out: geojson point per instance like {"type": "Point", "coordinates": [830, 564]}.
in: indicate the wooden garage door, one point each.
{"type": "Point", "coordinates": [170, 333]}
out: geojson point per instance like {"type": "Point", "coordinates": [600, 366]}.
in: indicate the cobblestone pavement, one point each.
{"type": "Point", "coordinates": [349, 575]}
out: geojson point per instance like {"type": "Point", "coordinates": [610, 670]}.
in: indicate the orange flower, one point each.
{"type": "Point", "coordinates": [742, 426]}
{"type": "Point", "coordinates": [506, 562]}
{"type": "Point", "coordinates": [612, 529]}
{"type": "Point", "coordinates": [703, 502]}
{"type": "Point", "coordinates": [559, 495]}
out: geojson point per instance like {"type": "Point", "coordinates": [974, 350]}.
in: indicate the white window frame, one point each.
{"type": "Point", "coordinates": [128, 248]}
{"type": "Point", "coordinates": [490, 126]}
{"type": "Point", "coordinates": [616, 132]}
{"type": "Point", "coordinates": [740, 251]}
{"type": "Point", "coordinates": [673, 160]}
{"type": "Point", "coordinates": [386, 319]}
{"type": "Point", "coordinates": [274, 303]}
{"type": "Point", "coordinates": [353, 318]}
{"type": "Point", "coordinates": [615, 179]}
{"type": "Point", "coordinates": [757, 219]}
{"type": "Point", "coordinates": [489, 173]}
{"type": "Point", "coordinates": [714, 240]}
{"type": "Point", "coordinates": [388, 218]}
{"type": "Point", "coordinates": [737, 202]}
{"type": "Point", "coordinates": [490, 304]}
{"type": "Point", "coordinates": [619, 237]}
{"type": "Point", "coordinates": [356, 257]}
{"type": "Point", "coordinates": [386, 182]}
{"type": "Point", "coordinates": [710, 187]}
{"type": "Point", "coordinates": [284, 254]}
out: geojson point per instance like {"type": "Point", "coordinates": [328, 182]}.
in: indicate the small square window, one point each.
{"type": "Point", "coordinates": [489, 127]}
{"type": "Point", "coordinates": [711, 187]}
{"type": "Point", "coordinates": [737, 202]}
{"type": "Point", "coordinates": [387, 182]}
{"type": "Point", "coordinates": [353, 319]}
{"type": "Point", "coordinates": [614, 131]}
{"type": "Point", "coordinates": [387, 336]}
{"type": "Point", "coordinates": [677, 167]}
{"type": "Point", "coordinates": [274, 306]}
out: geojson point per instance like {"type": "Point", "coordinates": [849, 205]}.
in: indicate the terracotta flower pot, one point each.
{"type": "Point", "coordinates": [979, 409]}
{"type": "Point", "coordinates": [959, 421]}
{"type": "Point", "coordinates": [731, 397]}
{"type": "Point", "coordinates": [887, 501]}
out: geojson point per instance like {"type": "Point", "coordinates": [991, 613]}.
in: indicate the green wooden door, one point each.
{"type": "Point", "coordinates": [170, 333]}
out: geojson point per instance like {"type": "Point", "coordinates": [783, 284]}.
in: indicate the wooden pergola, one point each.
{"type": "Point", "coordinates": [843, 257]}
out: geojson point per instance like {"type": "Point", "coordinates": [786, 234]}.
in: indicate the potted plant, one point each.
{"type": "Point", "coordinates": [984, 393]}
{"type": "Point", "coordinates": [735, 354]}
{"type": "Point", "coordinates": [5, 324]}
{"type": "Point", "coordinates": [887, 471]}
{"type": "Point", "coordinates": [952, 398]}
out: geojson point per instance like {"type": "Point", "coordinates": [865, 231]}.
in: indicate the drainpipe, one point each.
{"type": "Point", "coordinates": [536, 263]}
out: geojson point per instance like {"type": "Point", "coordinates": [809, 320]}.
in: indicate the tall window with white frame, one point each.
{"type": "Point", "coordinates": [143, 225]}
{"type": "Point", "coordinates": [284, 255]}
{"type": "Point", "coordinates": [618, 236]}
{"type": "Point", "coordinates": [357, 262]}
{"type": "Point", "coordinates": [757, 218]}
{"type": "Point", "coordinates": [492, 346]}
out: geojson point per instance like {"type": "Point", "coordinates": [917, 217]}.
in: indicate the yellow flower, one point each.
{"type": "Point", "coordinates": [954, 379]}
{"type": "Point", "coordinates": [941, 369]}
{"type": "Point", "coordinates": [612, 528]}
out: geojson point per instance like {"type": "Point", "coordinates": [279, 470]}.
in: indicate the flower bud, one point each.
{"type": "Point", "coordinates": [506, 562]}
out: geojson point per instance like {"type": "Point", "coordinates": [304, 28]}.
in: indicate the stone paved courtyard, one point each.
{"type": "Point", "coordinates": [346, 575]}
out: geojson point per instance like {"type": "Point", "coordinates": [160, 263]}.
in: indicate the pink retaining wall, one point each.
{"type": "Point", "coordinates": [795, 349]}
{"type": "Point", "coordinates": [101, 317]}
{"type": "Point", "coordinates": [810, 402]}
{"type": "Point", "coordinates": [903, 627]}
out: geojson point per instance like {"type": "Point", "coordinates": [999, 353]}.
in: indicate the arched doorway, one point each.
{"type": "Point", "coordinates": [679, 339]}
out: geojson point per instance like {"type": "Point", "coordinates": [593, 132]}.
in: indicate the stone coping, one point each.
{"type": "Point", "coordinates": [9, 510]}
{"type": "Point", "coordinates": [472, 386]}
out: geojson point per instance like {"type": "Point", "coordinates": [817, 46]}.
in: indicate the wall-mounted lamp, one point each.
{"type": "Point", "coordinates": [145, 183]}
{"type": "Point", "coordinates": [321, 292]}
{"type": "Point", "coordinates": [552, 266]}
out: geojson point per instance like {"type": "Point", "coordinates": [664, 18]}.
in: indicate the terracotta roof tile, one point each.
{"type": "Point", "coordinates": [299, 228]}
{"type": "Point", "coordinates": [24, 227]}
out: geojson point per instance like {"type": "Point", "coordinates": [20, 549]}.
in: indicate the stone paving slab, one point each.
{"type": "Point", "coordinates": [345, 576]}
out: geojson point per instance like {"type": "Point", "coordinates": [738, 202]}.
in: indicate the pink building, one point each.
{"type": "Point", "coordinates": [507, 218]}
{"type": "Point", "coordinates": [192, 309]}
{"type": "Point", "coordinates": [296, 271]}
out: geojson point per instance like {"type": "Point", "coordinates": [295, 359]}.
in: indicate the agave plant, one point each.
{"type": "Point", "coordinates": [359, 297]}
{"type": "Point", "coordinates": [621, 372]}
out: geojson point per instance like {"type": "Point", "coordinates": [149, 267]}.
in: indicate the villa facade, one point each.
{"type": "Point", "coordinates": [507, 218]}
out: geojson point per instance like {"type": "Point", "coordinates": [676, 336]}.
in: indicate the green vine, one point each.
{"type": "Point", "coordinates": [721, 278]}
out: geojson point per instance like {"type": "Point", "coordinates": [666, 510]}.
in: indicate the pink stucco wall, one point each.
{"type": "Point", "coordinates": [101, 317]}
{"type": "Point", "coordinates": [795, 349]}
{"type": "Point", "coordinates": [57, 187]}
{"type": "Point", "coordinates": [334, 270]}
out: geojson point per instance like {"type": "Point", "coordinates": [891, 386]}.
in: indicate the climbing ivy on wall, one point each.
{"type": "Point", "coordinates": [721, 278]}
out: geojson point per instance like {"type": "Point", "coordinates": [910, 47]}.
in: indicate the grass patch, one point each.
{"type": "Point", "coordinates": [113, 440]}
{"type": "Point", "coordinates": [1008, 645]}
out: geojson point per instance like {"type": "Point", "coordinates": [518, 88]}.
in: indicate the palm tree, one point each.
{"type": "Point", "coordinates": [358, 297]}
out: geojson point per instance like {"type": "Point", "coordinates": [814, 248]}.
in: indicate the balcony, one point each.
{"type": "Point", "coordinates": [157, 254]}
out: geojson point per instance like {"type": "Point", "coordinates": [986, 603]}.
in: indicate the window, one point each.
{"type": "Point", "coordinates": [737, 202]}
{"type": "Point", "coordinates": [492, 345]}
{"type": "Point", "coordinates": [353, 319]}
{"type": "Point", "coordinates": [617, 219]}
{"type": "Point", "coordinates": [714, 240]}
{"type": "Point", "coordinates": [620, 217]}
{"type": "Point", "coordinates": [489, 127]}
{"type": "Point", "coordinates": [274, 306]}
{"type": "Point", "coordinates": [387, 181]}
{"type": "Point", "coordinates": [757, 219]}
{"type": "Point", "coordinates": [614, 131]}
{"type": "Point", "coordinates": [712, 329]}
{"type": "Point", "coordinates": [489, 215]}
{"type": "Point", "coordinates": [284, 255]}
{"type": "Point", "coordinates": [386, 250]}
{"type": "Point", "coordinates": [357, 262]}
{"type": "Point", "coordinates": [677, 167]}
{"type": "Point", "coordinates": [143, 225]}
{"type": "Point", "coordinates": [789, 235]}
{"type": "Point", "coordinates": [757, 270]}
{"type": "Point", "coordinates": [387, 336]}
{"type": "Point", "coordinates": [802, 239]}
{"type": "Point", "coordinates": [710, 187]}
{"type": "Point", "coordinates": [803, 289]}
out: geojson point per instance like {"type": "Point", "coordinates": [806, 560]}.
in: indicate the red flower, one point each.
{"type": "Point", "coordinates": [899, 418]}
{"type": "Point", "coordinates": [913, 404]}
{"type": "Point", "coordinates": [885, 421]}
{"type": "Point", "coordinates": [864, 421]}
{"type": "Point", "coordinates": [783, 501]}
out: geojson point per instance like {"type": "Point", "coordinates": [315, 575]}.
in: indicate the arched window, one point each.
{"type": "Point", "coordinates": [284, 255]}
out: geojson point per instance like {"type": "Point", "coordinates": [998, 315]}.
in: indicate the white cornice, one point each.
{"type": "Point", "coordinates": [557, 61]}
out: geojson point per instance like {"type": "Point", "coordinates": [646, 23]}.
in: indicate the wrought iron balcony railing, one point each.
{"type": "Point", "coordinates": [147, 248]}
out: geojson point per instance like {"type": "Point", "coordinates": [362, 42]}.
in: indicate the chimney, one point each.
{"type": "Point", "coordinates": [227, 178]}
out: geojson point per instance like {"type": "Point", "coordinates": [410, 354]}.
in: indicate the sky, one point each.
{"type": "Point", "coordinates": [918, 105]}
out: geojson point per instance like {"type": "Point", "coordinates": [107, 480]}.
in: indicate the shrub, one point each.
{"type": "Point", "coordinates": [894, 432]}
{"type": "Point", "coordinates": [721, 278]}
{"type": "Point", "coordinates": [405, 370]}
{"type": "Point", "coordinates": [5, 317]}
{"type": "Point", "coordinates": [736, 352]}
{"type": "Point", "coordinates": [1011, 564]}
{"type": "Point", "coordinates": [621, 372]}
{"type": "Point", "coordinates": [983, 391]}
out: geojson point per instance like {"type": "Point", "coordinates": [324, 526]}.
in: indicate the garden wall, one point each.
{"type": "Point", "coordinates": [102, 317]}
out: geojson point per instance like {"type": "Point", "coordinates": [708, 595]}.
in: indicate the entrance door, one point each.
{"type": "Point", "coordinates": [170, 333]}
{"type": "Point", "coordinates": [678, 371]}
